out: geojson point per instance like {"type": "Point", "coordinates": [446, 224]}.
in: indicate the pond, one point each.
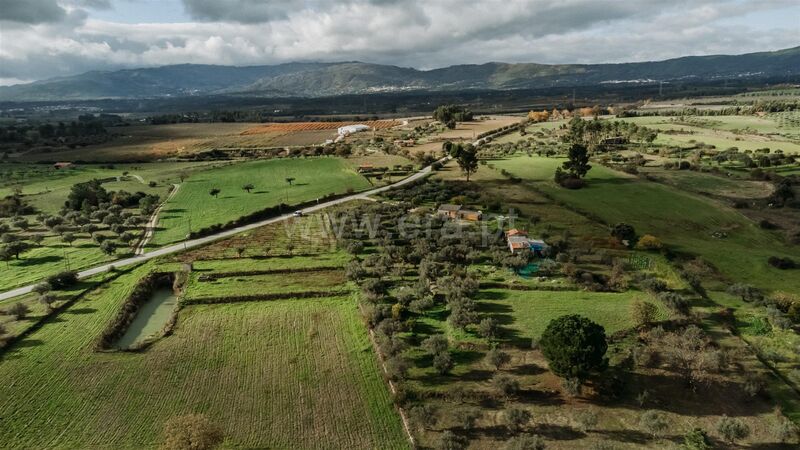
{"type": "Point", "coordinates": [151, 318]}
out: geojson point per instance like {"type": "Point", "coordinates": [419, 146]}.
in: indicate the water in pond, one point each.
{"type": "Point", "coordinates": [151, 318]}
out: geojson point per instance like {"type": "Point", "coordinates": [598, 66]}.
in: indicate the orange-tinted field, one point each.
{"type": "Point", "coordinates": [310, 126]}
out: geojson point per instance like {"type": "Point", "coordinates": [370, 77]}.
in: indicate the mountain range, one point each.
{"type": "Point", "coordinates": [342, 78]}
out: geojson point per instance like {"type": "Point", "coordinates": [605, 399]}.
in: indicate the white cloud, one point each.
{"type": "Point", "coordinates": [422, 34]}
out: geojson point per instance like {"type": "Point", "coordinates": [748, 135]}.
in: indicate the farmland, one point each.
{"type": "Point", "coordinates": [286, 333]}
{"type": "Point", "coordinates": [304, 367]}
{"type": "Point", "coordinates": [193, 206]}
{"type": "Point", "coordinates": [687, 224]}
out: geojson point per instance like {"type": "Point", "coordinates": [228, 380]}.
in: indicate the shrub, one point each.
{"type": "Point", "coordinates": [443, 363]}
{"type": "Point", "coordinates": [649, 242]}
{"type": "Point", "coordinates": [624, 232]}
{"type": "Point", "coordinates": [192, 431]}
{"type": "Point", "coordinates": [516, 418]}
{"type": "Point", "coordinates": [452, 441]}
{"type": "Point", "coordinates": [747, 292]}
{"type": "Point", "coordinates": [19, 311]}
{"type": "Point", "coordinates": [653, 284]}
{"type": "Point", "coordinates": [643, 313]}
{"type": "Point", "coordinates": [497, 358]}
{"type": "Point", "coordinates": [488, 328]}
{"type": "Point", "coordinates": [697, 439]}
{"type": "Point", "coordinates": [653, 422]}
{"type": "Point", "coordinates": [397, 368]}
{"type": "Point", "coordinates": [506, 385]}
{"type": "Point", "coordinates": [574, 346]}
{"type": "Point", "coordinates": [753, 385]}
{"type": "Point", "coordinates": [435, 344]}
{"type": "Point", "coordinates": [675, 302]}
{"type": "Point", "coordinates": [424, 416]}
{"type": "Point", "coordinates": [785, 430]}
{"type": "Point", "coordinates": [466, 418]}
{"type": "Point", "coordinates": [731, 429]}
{"type": "Point", "coordinates": [586, 419]}
{"type": "Point", "coordinates": [63, 280]}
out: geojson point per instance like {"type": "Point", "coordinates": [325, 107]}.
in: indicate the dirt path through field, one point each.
{"type": "Point", "coordinates": [150, 228]}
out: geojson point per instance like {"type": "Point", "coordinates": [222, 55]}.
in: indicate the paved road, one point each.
{"type": "Point", "coordinates": [223, 234]}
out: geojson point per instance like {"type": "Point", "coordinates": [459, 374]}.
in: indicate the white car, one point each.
{"type": "Point", "coordinates": [298, 213]}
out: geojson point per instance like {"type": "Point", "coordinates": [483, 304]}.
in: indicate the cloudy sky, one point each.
{"type": "Point", "coordinates": [46, 38]}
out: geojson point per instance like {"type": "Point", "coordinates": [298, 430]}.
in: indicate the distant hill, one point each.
{"type": "Point", "coordinates": [328, 79]}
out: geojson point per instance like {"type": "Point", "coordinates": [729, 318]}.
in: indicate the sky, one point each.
{"type": "Point", "coordinates": [42, 39]}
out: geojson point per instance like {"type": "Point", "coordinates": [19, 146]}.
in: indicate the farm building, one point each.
{"type": "Point", "coordinates": [468, 214]}
{"type": "Point", "coordinates": [448, 211]}
{"type": "Point", "coordinates": [458, 212]}
{"type": "Point", "coordinates": [519, 240]}
{"type": "Point", "coordinates": [350, 129]}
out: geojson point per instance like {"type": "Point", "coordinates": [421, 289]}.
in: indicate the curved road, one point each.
{"type": "Point", "coordinates": [174, 248]}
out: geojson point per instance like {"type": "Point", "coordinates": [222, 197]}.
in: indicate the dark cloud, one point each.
{"type": "Point", "coordinates": [31, 11]}
{"type": "Point", "coordinates": [244, 11]}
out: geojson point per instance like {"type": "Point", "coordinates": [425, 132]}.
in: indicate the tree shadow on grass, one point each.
{"type": "Point", "coordinates": [670, 393]}
{"type": "Point", "coordinates": [33, 261]}
{"type": "Point", "coordinates": [628, 436]}
{"type": "Point", "coordinates": [539, 397]}
{"type": "Point", "coordinates": [558, 432]}
{"type": "Point", "coordinates": [527, 369]}
{"type": "Point", "coordinates": [491, 295]}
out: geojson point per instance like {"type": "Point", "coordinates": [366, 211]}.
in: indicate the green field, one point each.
{"type": "Point", "coordinates": [527, 313]}
{"type": "Point", "coordinates": [294, 373]}
{"type": "Point", "coordinates": [314, 178]}
{"type": "Point", "coordinates": [47, 189]}
{"type": "Point", "coordinates": [683, 221]}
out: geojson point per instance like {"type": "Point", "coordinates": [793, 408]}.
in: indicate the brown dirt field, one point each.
{"type": "Point", "coordinates": [464, 131]}
{"type": "Point", "coordinates": [308, 126]}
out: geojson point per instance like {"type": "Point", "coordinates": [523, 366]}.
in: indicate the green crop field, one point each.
{"type": "Point", "coordinates": [292, 373]}
{"type": "Point", "coordinates": [314, 178]}
{"type": "Point", "coordinates": [323, 280]}
{"type": "Point", "coordinates": [681, 220]}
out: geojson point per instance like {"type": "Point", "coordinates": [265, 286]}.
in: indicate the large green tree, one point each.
{"type": "Point", "coordinates": [466, 156]}
{"type": "Point", "coordinates": [574, 346]}
{"type": "Point", "coordinates": [577, 163]}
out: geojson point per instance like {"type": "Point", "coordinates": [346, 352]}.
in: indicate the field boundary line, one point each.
{"type": "Point", "coordinates": [382, 361]}
{"type": "Point", "coordinates": [150, 227]}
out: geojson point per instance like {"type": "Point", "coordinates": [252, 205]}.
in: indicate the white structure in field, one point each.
{"type": "Point", "coordinates": [350, 129]}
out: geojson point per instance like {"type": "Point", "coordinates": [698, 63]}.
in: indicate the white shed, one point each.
{"type": "Point", "coordinates": [350, 129]}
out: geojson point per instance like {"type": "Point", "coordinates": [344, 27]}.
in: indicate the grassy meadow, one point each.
{"type": "Point", "coordinates": [314, 178]}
